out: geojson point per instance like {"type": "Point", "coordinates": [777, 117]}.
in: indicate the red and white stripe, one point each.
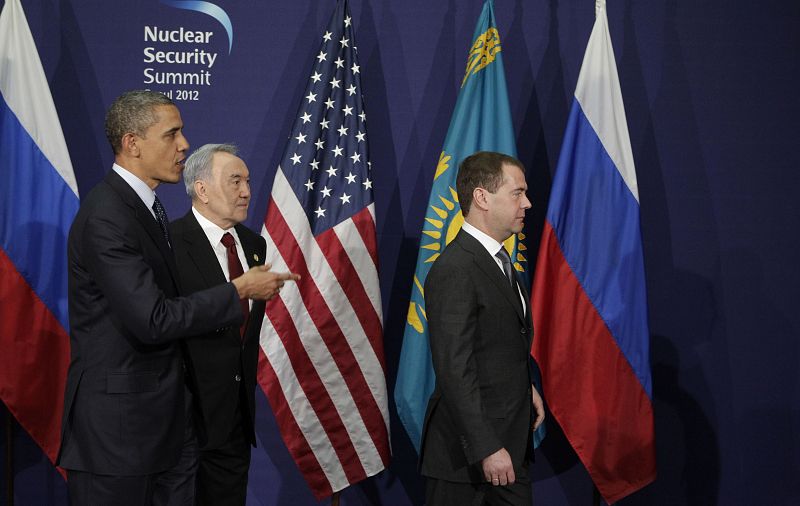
{"type": "Point", "coordinates": [323, 367]}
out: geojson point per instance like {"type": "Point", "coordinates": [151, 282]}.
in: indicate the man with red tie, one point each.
{"type": "Point", "coordinates": [212, 247]}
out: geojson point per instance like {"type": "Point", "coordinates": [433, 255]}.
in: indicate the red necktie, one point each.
{"type": "Point", "coordinates": [235, 270]}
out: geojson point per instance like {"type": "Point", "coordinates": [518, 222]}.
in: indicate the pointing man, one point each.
{"type": "Point", "coordinates": [126, 436]}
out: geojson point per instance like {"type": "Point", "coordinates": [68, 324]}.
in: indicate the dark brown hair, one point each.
{"type": "Point", "coordinates": [483, 169]}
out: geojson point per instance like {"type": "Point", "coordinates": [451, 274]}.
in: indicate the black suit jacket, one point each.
{"type": "Point", "coordinates": [124, 398]}
{"type": "Point", "coordinates": [480, 344]}
{"type": "Point", "coordinates": [220, 361]}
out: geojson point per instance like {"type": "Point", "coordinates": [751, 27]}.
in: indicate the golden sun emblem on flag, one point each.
{"type": "Point", "coordinates": [445, 218]}
{"type": "Point", "coordinates": [483, 52]}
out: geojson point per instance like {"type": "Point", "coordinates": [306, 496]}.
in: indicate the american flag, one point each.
{"type": "Point", "coordinates": [322, 366]}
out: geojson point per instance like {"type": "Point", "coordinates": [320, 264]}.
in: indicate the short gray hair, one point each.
{"type": "Point", "coordinates": [198, 165]}
{"type": "Point", "coordinates": [132, 112]}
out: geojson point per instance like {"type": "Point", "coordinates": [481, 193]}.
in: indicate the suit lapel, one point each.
{"type": "Point", "coordinates": [526, 296]}
{"type": "Point", "coordinates": [251, 253]}
{"type": "Point", "coordinates": [199, 250]}
{"type": "Point", "coordinates": [489, 267]}
{"type": "Point", "coordinates": [146, 219]}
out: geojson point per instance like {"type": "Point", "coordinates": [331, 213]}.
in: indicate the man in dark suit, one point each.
{"type": "Point", "coordinates": [211, 245]}
{"type": "Point", "coordinates": [126, 437]}
{"type": "Point", "coordinates": [476, 439]}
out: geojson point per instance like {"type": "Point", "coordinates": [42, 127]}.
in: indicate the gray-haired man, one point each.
{"type": "Point", "coordinates": [212, 247]}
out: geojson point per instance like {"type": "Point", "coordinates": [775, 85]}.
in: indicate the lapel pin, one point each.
{"type": "Point", "coordinates": [255, 257]}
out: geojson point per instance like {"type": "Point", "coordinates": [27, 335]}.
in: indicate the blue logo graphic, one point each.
{"type": "Point", "coordinates": [206, 8]}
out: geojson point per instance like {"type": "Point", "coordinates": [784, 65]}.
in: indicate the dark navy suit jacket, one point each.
{"type": "Point", "coordinates": [124, 398]}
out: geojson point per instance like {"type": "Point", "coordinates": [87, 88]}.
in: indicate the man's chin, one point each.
{"type": "Point", "coordinates": [172, 178]}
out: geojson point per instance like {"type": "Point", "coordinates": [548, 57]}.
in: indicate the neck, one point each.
{"type": "Point", "coordinates": [477, 221]}
{"type": "Point", "coordinates": [223, 224]}
{"type": "Point", "coordinates": [132, 166]}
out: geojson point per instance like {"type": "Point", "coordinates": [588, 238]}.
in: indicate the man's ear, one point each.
{"type": "Point", "coordinates": [200, 189]}
{"type": "Point", "coordinates": [480, 198]}
{"type": "Point", "coordinates": [129, 145]}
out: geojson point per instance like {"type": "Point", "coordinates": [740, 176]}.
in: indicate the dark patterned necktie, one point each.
{"type": "Point", "coordinates": [512, 278]}
{"type": "Point", "coordinates": [161, 218]}
{"type": "Point", "coordinates": [507, 268]}
{"type": "Point", "coordinates": [235, 270]}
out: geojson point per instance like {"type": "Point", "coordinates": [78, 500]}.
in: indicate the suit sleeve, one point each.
{"type": "Point", "coordinates": [116, 261]}
{"type": "Point", "coordinates": [452, 309]}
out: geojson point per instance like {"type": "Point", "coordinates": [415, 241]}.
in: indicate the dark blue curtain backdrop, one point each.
{"type": "Point", "coordinates": [710, 93]}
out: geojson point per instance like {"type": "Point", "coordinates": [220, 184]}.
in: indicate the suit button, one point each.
{"type": "Point", "coordinates": [523, 330]}
{"type": "Point", "coordinates": [237, 378]}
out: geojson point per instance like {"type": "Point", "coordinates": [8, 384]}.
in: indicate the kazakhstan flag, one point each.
{"type": "Point", "coordinates": [481, 122]}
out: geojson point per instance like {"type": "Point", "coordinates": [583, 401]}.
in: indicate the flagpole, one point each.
{"type": "Point", "coordinates": [335, 499]}
{"type": "Point", "coordinates": [9, 459]}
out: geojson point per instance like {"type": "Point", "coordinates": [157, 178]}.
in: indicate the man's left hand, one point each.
{"type": "Point", "coordinates": [538, 405]}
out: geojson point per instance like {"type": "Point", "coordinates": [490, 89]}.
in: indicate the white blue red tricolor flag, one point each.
{"type": "Point", "coordinates": [322, 366]}
{"type": "Point", "coordinates": [589, 300]}
{"type": "Point", "coordinates": [38, 200]}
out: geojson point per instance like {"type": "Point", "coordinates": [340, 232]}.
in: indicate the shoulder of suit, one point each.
{"type": "Point", "coordinates": [458, 248]}
{"type": "Point", "coordinates": [182, 223]}
{"type": "Point", "coordinates": [244, 230]}
{"type": "Point", "coordinates": [104, 199]}
{"type": "Point", "coordinates": [248, 235]}
{"type": "Point", "coordinates": [454, 258]}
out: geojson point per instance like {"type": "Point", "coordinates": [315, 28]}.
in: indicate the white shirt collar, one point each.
{"type": "Point", "coordinates": [213, 231]}
{"type": "Point", "coordinates": [486, 241]}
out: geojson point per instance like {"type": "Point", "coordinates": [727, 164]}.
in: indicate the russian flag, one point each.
{"type": "Point", "coordinates": [38, 201]}
{"type": "Point", "coordinates": [589, 300]}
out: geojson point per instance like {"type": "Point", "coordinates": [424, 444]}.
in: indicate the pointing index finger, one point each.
{"type": "Point", "coordinates": [289, 276]}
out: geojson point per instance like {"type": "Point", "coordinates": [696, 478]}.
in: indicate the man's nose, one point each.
{"type": "Point", "coordinates": [183, 143]}
{"type": "Point", "coordinates": [526, 202]}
